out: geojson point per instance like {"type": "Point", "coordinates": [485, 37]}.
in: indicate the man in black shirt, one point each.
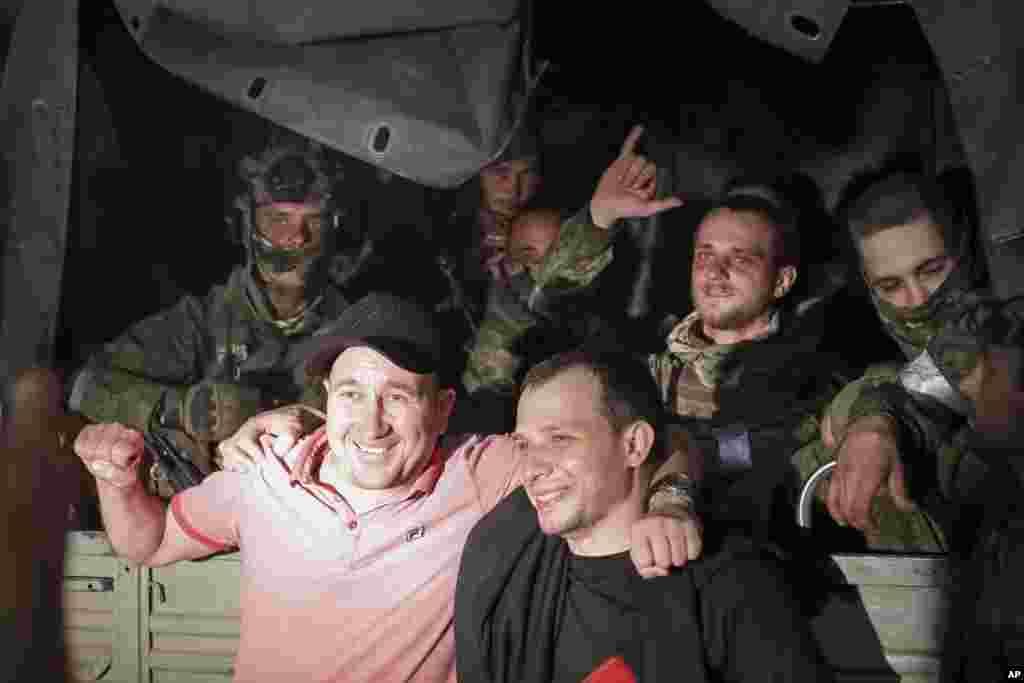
{"type": "Point", "coordinates": [545, 591]}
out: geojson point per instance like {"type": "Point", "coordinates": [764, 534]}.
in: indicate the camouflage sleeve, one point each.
{"type": "Point", "coordinates": [815, 409]}
{"type": "Point", "coordinates": [580, 254]}
{"type": "Point", "coordinates": [931, 435]}
{"type": "Point", "coordinates": [979, 322]}
{"type": "Point", "coordinates": [808, 431]}
{"type": "Point", "coordinates": [837, 408]}
{"type": "Point", "coordinates": [123, 381]}
{"type": "Point", "coordinates": [927, 430]}
{"type": "Point", "coordinates": [855, 399]}
{"type": "Point", "coordinates": [987, 323]}
{"type": "Point", "coordinates": [492, 364]}
{"type": "Point", "coordinates": [875, 393]}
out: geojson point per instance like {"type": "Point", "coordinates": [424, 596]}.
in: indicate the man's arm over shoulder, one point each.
{"type": "Point", "coordinates": [669, 535]}
{"type": "Point", "coordinates": [495, 466]}
{"type": "Point", "coordinates": [754, 630]}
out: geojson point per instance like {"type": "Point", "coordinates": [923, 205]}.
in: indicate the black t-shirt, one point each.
{"type": "Point", "coordinates": [600, 616]}
{"type": "Point", "coordinates": [752, 630]}
{"type": "Point", "coordinates": [527, 609]}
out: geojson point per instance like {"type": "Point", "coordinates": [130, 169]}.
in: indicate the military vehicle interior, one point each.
{"type": "Point", "coordinates": [150, 214]}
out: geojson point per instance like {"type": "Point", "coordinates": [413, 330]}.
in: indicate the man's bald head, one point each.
{"type": "Point", "coordinates": [532, 235]}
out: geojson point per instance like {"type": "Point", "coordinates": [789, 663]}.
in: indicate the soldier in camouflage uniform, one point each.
{"type": "Point", "coordinates": [473, 246]}
{"type": "Point", "coordinates": [951, 478]}
{"type": "Point", "coordinates": [900, 433]}
{"type": "Point", "coordinates": [516, 333]}
{"type": "Point", "coordinates": [202, 367]}
{"type": "Point", "coordinates": [493, 362]}
{"type": "Point", "coordinates": [744, 375]}
{"type": "Point", "coordinates": [543, 298]}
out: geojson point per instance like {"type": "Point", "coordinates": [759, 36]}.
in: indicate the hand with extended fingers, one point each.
{"type": "Point", "coordinates": [271, 432]}
{"type": "Point", "coordinates": [627, 187]}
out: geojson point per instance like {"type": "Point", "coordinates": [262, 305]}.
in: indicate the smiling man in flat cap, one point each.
{"type": "Point", "coordinates": [350, 536]}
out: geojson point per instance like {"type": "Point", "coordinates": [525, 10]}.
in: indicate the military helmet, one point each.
{"type": "Point", "coordinates": [296, 170]}
{"type": "Point", "coordinates": [293, 171]}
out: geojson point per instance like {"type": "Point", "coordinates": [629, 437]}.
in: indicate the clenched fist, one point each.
{"type": "Point", "coordinates": [660, 542]}
{"type": "Point", "coordinates": [112, 453]}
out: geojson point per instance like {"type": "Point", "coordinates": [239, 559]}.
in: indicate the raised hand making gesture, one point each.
{"type": "Point", "coordinates": [627, 187]}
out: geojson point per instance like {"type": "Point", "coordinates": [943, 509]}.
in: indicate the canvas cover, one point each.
{"type": "Point", "coordinates": [428, 94]}
{"type": "Point", "coordinates": [803, 27]}
{"type": "Point", "coordinates": [978, 50]}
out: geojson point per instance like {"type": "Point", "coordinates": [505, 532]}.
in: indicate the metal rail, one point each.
{"type": "Point", "coordinates": [803, 508]}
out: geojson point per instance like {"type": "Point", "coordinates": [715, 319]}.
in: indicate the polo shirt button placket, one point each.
{"type": "Point", "coordinates": [352, 525]}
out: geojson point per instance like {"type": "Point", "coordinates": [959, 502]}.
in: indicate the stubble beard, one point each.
{"type": "Point", "coordinates": [557, 521]}
{"type": "Point", "coordinates": [730, 314]}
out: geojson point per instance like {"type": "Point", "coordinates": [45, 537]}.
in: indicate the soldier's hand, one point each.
{"type": "Point", "coordinates": [112, 453]}
{"type": "Point", "coordinates": [661, 542]}
{"type": "Point", "coordinates": [264, 435]}
{"type": "Point", "coordinates": [627, 187]}
{"type": "Point", "coordinates": [213, 411]}
{"type": "Point", "coordinates": [868, 464]}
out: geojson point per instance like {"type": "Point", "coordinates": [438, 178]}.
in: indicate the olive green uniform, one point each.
{"type": "Point", "coordinates": [228, 337]}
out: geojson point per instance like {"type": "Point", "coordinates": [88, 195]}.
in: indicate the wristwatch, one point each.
{"type": "Point", "coordinates": [675, 489]}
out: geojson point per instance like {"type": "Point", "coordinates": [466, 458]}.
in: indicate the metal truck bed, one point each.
{"type": "Point", "coordinates": [180, 623]}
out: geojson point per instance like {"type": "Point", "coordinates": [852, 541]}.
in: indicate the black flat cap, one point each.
{"type": "Point", "coordinates": [399, 329]}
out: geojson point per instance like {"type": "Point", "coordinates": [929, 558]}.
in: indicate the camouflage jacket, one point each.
{"type": "Point", "coordinates": [946, 477]}
{"type": "Point", "coordinates": [749, 407]}
{"type": "Point", "coordinates": [924, 398]}
{"type": "Point", "coordinates": [529, 303]}
{"type": "Point", "coordinates": [955, 340]}
{"type": "Point", "coordinates": [226, 336]}
{"type": "Point", "coordinates": [766, 398]}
